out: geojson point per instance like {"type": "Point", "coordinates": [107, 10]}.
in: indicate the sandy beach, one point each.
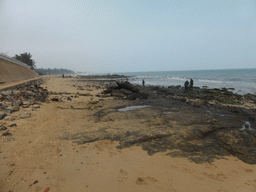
{"type": "Point", "coordinates": [81, 142]}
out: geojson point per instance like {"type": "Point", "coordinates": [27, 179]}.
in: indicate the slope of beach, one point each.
{"type": "Point", "coordinates": [78, 139]}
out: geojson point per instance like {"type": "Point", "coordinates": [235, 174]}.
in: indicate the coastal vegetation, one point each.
{"type": "Point", "coordinates": [26, 58]}
{"type": "Point", "coordinates": [48, 71]}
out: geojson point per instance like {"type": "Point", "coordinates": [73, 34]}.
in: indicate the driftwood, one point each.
{"type": "Point", "coordinates": [125, 90]}
{"type": "Point", "coordinates": [127, 85]}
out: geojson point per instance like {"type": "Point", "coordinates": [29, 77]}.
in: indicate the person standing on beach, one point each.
{"type": "Point", "coordinates": [63, 76]}
{"type": "Point", "coordinates": [186, 86]}
{"type": "Point", "coordinates": [191, 84]}
{"type": "Point", "coordinates": [143, 83]}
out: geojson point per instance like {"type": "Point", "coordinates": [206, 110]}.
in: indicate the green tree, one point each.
{"type": "Point", "coordinates": [26, 58]}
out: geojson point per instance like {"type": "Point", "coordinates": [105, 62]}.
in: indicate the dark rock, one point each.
{"type": "Point", "coordinates": [3, 128]}
{"type": "Point", "coordinates": [68, 98]}
{"type": "Point", "coordinates": [174, 87]}
{"type": "Point", "coordinates": [2, 115]}
{"type": "Point", "coordinates": [125, 91]}
{"type": "Point", "coordinates": [238, 144]}
{"type": "Point", "coordinates": [140, 179]}
{"type": "Point", "coordinates": [55, 99]}
{"type": "Point", "coordinates": [42, 99]}
{"type": "Point", "coordinates": [127, 85]}
{"type": "Point", "coordinates": [137, 95]}
{"type": "Point", "coordinates": [6, 133]}
{"type": "Point", "coordinates": [13, 125]}
{"type": "Point", "coordinates": [179, 99]}
{"type": "Point", "coordinates": [251, 97]}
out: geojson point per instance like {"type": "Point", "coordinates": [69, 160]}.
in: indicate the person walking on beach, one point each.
{"type": "Point", "coordinates": [143, 83]}
{"type": "Point", "coordinates": [186, 86]}
{"type": "Point", "coordinates": [63, 76]}
{"type": "Point", "coordinates": [191, 84]}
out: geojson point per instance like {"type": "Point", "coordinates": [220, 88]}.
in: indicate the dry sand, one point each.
{"type": "Point", "coordinates": [35, 154]}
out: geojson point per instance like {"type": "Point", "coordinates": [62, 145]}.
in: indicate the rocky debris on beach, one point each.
{"type": "Point", "coordinates": [6, 133]}
{"type": "Point", "coordinates": [126, 90]}
{"type": "Point", "coordinates": [3, 114]}
{"type": "Point", "coordinates": [3, 128]}
{"type": "Point", "coordinates": [199, 135]}
{"type": "Point", "coordinates": [205, 95]}
{"type": "Point", "coordinates": [250, 97]}
{"type": "Point", "coordinates": [180, 124]}
{"type": "Point", "coordinates": [193, 125]}
{"type": "Point", "coordinates": [30, 94]}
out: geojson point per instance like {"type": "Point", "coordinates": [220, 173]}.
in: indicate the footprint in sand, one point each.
{"type": "Point", "coordinates": [249, 170]}
{"type": "Point", "coordinates": [143, 181]}
{"type": "Point", "coordinates": [123, 173]}
{"type": "Point", "coordinates": [217, 177]}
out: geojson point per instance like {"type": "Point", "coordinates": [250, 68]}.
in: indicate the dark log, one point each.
{"type": "Point", "coordinates": [127, 85]}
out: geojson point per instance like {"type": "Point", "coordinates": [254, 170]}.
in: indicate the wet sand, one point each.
{"type": "Point", "coordinates": [37, 158]}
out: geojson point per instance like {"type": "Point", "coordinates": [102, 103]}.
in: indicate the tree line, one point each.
{"type": "Point", "coordinates": [27, 59]}
{"type": "Point", "coordinates": [49, 71]}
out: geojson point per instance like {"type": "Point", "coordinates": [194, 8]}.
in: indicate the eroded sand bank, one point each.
{"type": "Point", "coordinates": [42, 150]}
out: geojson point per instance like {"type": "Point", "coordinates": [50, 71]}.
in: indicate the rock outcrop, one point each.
{"type": "Point", "coordinates": [125, 90]}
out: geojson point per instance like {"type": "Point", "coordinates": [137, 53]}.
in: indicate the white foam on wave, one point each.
{"type": "Point", "coordinates": [177, 78]}
{"type": "Point", "coordinates": [149, 77]}
{"type": "Point", "coordinates": [213, 81]}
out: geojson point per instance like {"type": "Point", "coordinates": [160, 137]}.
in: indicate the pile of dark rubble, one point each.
{"type": "Point", "coordinates": [218, 96]}
{"type": "Point", "coordinates": [29, 96]}
{"type": "Point", "coordinates": [125, 90]}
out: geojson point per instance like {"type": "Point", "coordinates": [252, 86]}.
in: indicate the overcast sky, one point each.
{"type": "Point", "coordinates": [131, 35]}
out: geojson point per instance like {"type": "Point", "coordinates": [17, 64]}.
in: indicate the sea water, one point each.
{"type": "Point", "coordinates": [242, 80]}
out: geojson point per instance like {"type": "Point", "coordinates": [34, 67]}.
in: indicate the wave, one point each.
{"type": "Point", "coordinates": [235, 79]}
{"type": "Point", "coordinates": [183, 79]}
{"type": "Point", "coordinates": [178, 78]}
{"type": "Point", "coordinates": [213, 81]}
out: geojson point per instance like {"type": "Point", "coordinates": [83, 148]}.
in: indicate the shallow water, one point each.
{"type": "Point", "coordinates": [132, 108]}
{"type": "Point", "coordinates": [242, 80]}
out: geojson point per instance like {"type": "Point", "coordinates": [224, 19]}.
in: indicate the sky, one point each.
{"type": "Point", "coordinates": [131, 35]}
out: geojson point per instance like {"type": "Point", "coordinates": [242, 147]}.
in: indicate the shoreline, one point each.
{"type": "Point", "coordinates": [178, 141]}
{"type": "Point", "coordinates": [151, 81]}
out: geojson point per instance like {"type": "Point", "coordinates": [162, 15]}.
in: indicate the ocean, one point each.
{"type": "Point", "coordinates": [242, 80]}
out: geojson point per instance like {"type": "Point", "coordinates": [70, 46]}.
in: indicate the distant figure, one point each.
{"type": "Point", "coordinates": [186, 86]}
{"type": "Point", "coordinates": [191, 84]}
{"type": "Point", "coordinates": [143, 82]}
{"type": "Point", "coordinates": [63, 76]}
